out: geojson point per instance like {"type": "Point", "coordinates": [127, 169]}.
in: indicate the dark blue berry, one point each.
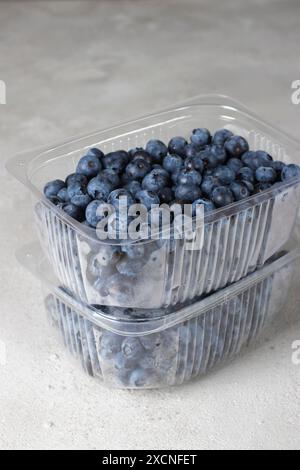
{"type": "Point", "coordinates": [189, 177]}
{"type": "Point", "coordinates": [130, 267]}
{"type": "Point", "coordinates": [99, 188]}
{"type": "Point", "coordinates": [236, 146]}
{"type": "Point", "coordinates": [208, 184]}
{"type": "Point", "coordinates": [210, 160]}
{"type": "Point", "coordinates": [76, 189]}
{"type": "Point", "coordinates": [93, 213]}
{"type": "Point", "coordinates": [177, 146]}
{"type": "Point", "coordinates": [114, 198]}
{"type": "Point", "coordinates": [147, 198]}
{"type": "Point", "coordinates": [261, 187]}
{"type": "Point", "coordinates": [133, 187]}
{"type": "Point", "coordinates": [200, 137]}
{"type": "Point", "coordinates": [219, 153]}
{"type": "Point", "coordinates": [187, 193]}
{"type": "Point", "coordinates": [166, 195]}
{"type": "Point", "coordinates": [144, 155]}
{"type": "Point", "coordinates": [208, 205]}
{"type": "Point", "coordinates": [278, 167]}
{"type": "Point", "coordinates": [53, 187]}
{"type": "Point", "coordinates": [224, 174]}
{"type": "Point", "coordinates": [194, 163]}
{"type": "Point", "coordinates": [55, 200]}
{"type": "Point", "coordinates": [63, 195]}
{"type": "Point", "coordinates": [116, 161]}
{"type": "Point", "coordinates": [239, 190]}
{"type": "Point", "coordinates": [222, 196]}
{"type": "Point", "coordinates": [221, 136]}
{"type": "Point", "coordinates": [111, 176]}
{"type": "Point", "coordinates": [249, 159]}
{"type": "Point", "coordinates": [246, 174]}
{"type": "Point", "coordinates": [89, 165]}
{"type": "Point", "coordinates": [157, 150]}
{"type": "Point", "coordinates": [138, 168]}
{"type": "Point", "coordinates": [265, 175]}
{"type": "Point", "coordinates": [191, 150]}
{"type": "Point", "coordinates": [95, 152]}
{"type": "Point", "coordinates": [81, 200]}
{"type": "Point", "coordinates": [73, 211]}
{"type": "Point", "coordinates": [77, 178]}
{"type": "Point", "coordinates": [155, 180]}
{"type": "Point", "coordinates": [235, 164]}
{"type": "Point", "coordinates": [290, 172]}
{"type": "Point", "coordinates": [172, 163]}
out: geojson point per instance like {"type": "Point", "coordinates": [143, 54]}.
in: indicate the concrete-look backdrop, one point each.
{"type": "Point", "coordinates": [74, 66]}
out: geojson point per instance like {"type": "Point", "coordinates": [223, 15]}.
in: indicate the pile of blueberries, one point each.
{"type": "Point", "coordinates": [212, 170]}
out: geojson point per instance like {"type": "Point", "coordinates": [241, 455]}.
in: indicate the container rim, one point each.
{"type": "Point", "coordinates": [31, 257]}
{"type": "Point", "coordinates": [19, 164]}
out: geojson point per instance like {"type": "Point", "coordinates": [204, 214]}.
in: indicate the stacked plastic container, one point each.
{"type": "Point", "coordinates": [188, 310]}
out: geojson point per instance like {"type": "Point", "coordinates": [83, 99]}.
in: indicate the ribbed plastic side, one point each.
{"type": "Point", "coordinates": [173, 356]}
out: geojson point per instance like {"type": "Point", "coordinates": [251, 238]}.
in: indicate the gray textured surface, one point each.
{"type": "Point", "coordinates": [77, 66]}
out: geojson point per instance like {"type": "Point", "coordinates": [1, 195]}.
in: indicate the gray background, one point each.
{"type": "Point", "coordinates": [75, 66]}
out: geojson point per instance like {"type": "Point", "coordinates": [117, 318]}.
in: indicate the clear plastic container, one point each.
{"type": "Point", "coordinates": [129, 348]}
{"type": "Point", "coordinates": [237, 239]}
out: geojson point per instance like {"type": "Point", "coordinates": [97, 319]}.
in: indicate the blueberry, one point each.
{"type": "Point", "coordinates": [89, 165]}
{"type": "Point", "coordinates": [210, 160]}
{"type": "Point", "coordinates": [172, 163]}
{"type": "Point", "coordinates": [109, 345]}
{"type": "Point", "coordinates": [177, 146]}
{"type": "Point", "coordinates": [114, 198]}
{"type": "Point", "coordinates": [95, 152]}
{"type": "Point", "coordinates": [266, 175]}
{"type": "Point", "coordinates": [235, 164]}
{"type": "Point", "coordinates": [219, 153]}
{"type": "Point", "coordinates": [166, 195]}
{"type": "Point", "coordinates": [132, 348]}
{"type": "Point", "coordinates": [189, 177]}
{"type": "Point", "coordinates": [63, 195]}
{"type": "Point", "coordinates": [132, 152]}
{"type": "Point", "coordinates": [208, 184]}
{"type": "Point", "coordinates": [239, 190]}
{"type": "Point", "coordinates": [249, 159]}
{"type": "Point", "coordinates": [263, 157]}
{"type": "Point", "coordinates": [245, 174]}
{"type": "Point", "coordinates": [187, 193]}
{"type": "Point", "coordinates": [130, 267]}
{"type": "Point", "coordinates": [222, 196]}
{"type": "Point", "coordinates": [133, 187]}
{"type": "Point", "coordinates": [290, 172]}
{"type": "Point", "coordinates": [147, 198]}
{"type": "Point", "coordinates": [53, 187]}
{"type": "Point", "coordinates": [208, 205]}
{"type": "Point", "coordinates": [155, 180]}
{"type": "Point", "coordinates": [157, 150]}
{"type": "Point", "coordinates": [249, 186]}
{"type": "Point", "coordinates": [107, 255]}
{"type": "Point", "coordinates": [151, 342]}
{"type": "Point", "coordinates": [93, 214]}
{"type": "Point", "coordinates": [119, 288]}
{"type": "Point", "coordinates": [260, 187]}
{"type": "Point", "coordinates": [134, 250]}
{"type": "Point", "coordinates": [111, 176]}
{"type": "Point", "coordinates": [99, 188]}
{"type": "Point", "coordinates": [194, 163]}
{"type": "Point", "coordinates": [191, 150]}
{"type": "Point", "coordinates": [73, 211]}
{"type": "Point", "coordinates": [224, 174]}
{"type": "Point", "coordinates": [162, 171]}
{"type": "Point", "coordinates": [200, 137]}
{"type": "Point", "coordinates": [236, 146]}
{"type": "Point", "coordinates": [144, 155]}
{"type": "Point", "coordinates": [77, 178]}
{"type": "Point", "coordinates": [139, 378]}
{"type": "Point", "coordinates": [221, 136]}
{"type": "Point", "coordinates": [76, 189]}
{"type": "Point", "coordinates": [116, 161]}
{"type": "Point", "coordinates": [278, 167]}
{"type": "Point", "coordinates": [81, 200]}
{"type": "Point", "coordinates": [138, 168]}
